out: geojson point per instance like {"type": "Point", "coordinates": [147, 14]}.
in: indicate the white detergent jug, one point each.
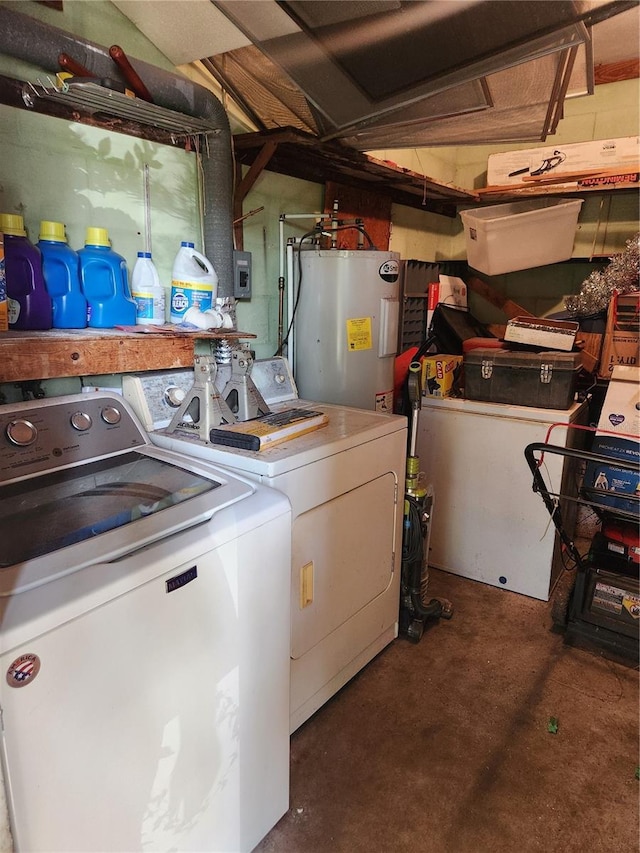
{"type": "Point", "coordinates": [194, 282]}
{"type": "Point", "coordinates": [147, 292]}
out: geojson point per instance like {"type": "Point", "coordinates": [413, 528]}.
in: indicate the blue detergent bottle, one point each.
{"type": "Point", "coordinates": [29, 304]}
{"type": "Point", "coordinates": [105, 283]}
{"type": "Point", "coordinates": [61, 268]}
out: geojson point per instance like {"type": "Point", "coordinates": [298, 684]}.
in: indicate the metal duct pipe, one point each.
{"type": "Point", "coordinates": [30, 40]}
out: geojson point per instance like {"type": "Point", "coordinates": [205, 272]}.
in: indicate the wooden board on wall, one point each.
{"type": "Point", "coordinates": [353, 203]}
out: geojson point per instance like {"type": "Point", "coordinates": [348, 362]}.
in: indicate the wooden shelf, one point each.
{"type": "Point", "coordinates": [300, 155]}
{"type": "Point", "coordinates": [26, 356]}
{"type": "Point", "coordinates": [287, 151]}
{"type": "Point", "coordinates": [291, 152]}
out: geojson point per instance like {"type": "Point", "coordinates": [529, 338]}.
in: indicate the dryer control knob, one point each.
{"type": "Point", "coordinates": [81, 421]}
{"type": "Point", "coordinates": [110, 415]}
{"type": "Point", "coordinates": [21, 433]}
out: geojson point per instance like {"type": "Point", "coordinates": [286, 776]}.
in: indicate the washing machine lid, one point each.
{"type": "Point", "coordinates": [72, 518]}
{"type": "Point", "coordinates": [76, 504]}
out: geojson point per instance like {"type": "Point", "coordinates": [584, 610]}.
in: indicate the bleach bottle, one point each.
{"type": "Point", "coordinates": [61, 269]}
{"type": "Point", "coordinates": [147, 292]}
{"type": "Point", "coordinates": [194, 282]}
{"type": "Point", "coordinates": [105, 283]}
{"type": "Point", "coordinates": [29, 304]}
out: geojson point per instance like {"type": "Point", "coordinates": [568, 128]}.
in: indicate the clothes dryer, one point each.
{"type": "Point", "coordinates": [345, 484]}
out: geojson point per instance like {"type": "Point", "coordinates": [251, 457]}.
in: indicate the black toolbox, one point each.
{"type": "Point", "coordinates": [545, 380]}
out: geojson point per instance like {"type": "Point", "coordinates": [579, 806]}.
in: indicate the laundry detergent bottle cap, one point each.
{"type": "Point", "coordinates": [28, 302]}
{"type": "Point", "coordinates": [53, 231]}
{"type": "Point", "coordinates": [97, 237]}
{"type": "Point", "coordinates": [194, 282]}
{"type": "Point", "coordinates": [147, 292]}
{"type": "Point", "coordinates": [105, 283]}
{"type": "Point", "coordinates": [12, 224]}
{"type": "Point", "coordinates": [61, 269]}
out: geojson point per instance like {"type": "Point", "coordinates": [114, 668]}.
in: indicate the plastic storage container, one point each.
{"type": "Point", "coordinates": [61, 269]}
{"type": "Point", "coordinates": [508, 237]}
{"type": "Point", "coordinates": [105, 283]}
{"type": "Point", "coordinates": [544, 380]}
{"type": "Point", "coordinates": [28, 302]}
{"type": "Point", "coordinates": [147, 292]}
{"type": "Point", "coordinates": [194, 282]}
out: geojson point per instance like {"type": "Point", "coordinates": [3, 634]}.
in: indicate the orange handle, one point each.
{"type": "Point", "coordinates": [131, 76]}
{"type": "Point", "coordinates": [68, 64]}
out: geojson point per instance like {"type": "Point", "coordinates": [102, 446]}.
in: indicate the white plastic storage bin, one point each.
{"type": "Point", "coordinates": [508, 237]}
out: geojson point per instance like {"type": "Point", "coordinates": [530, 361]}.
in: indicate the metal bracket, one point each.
{"type": "Point", "coordinates": [486, 368]}
{"type": "Point", "coordinates": [203, 408]}
{"type": "Point", "coordinates": [546, 371]}
{"type": "Point", "coordinates": [240, 393]}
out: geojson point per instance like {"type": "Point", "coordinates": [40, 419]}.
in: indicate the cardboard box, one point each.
{"type": "Point", "coordinates": [539, 332]}
{"type": "Point", "coordinates": [510, 167]}
{"type": "Point", "coordinates": [441, 376]}
{"type": "Point", "coordinates": [448, 289]}
{"type": "Point", "coordinates": [620, 415]}
{"type": "Point", "coordinates": [621, 345]}
{"type": "Point", "coordinates": [600, 477]}
{"type": "Point", "coordinates": [621, 408]}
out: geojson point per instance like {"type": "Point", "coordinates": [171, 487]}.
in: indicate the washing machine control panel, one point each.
{"type": "Point", "coordinates": [46, 434]}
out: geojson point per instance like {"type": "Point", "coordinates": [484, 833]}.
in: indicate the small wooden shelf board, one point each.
{"type": "Point", "coordinates": [57, 353]}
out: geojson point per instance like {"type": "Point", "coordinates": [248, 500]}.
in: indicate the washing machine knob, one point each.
{"type": "Point", "coordinates": [22, 433]}
{"type": "Point", "coordinates": [110, 415]}
{"type": "Point", "coordinates": [174, 396]}
{"type": "Point", "coordinates": [81, 421]}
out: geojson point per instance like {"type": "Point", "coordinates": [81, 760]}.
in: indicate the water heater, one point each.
{"type": "Point", "coordinates": [346, 326]}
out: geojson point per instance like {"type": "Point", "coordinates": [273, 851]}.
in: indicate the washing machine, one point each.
{"type": "Point", "coordinates": [144, 615]}
{"type": "Point", "coordinates": [345, 482]}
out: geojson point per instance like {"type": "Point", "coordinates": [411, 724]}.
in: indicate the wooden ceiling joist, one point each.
{"type": "Point", "coordinates": [303, 156]}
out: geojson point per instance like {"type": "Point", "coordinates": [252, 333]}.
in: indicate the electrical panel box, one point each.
{"type": "Point", "coordinates": [242, 275]}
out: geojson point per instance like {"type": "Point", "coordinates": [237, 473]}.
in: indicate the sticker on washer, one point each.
{"type": "Point", "coordinates": [23, 670]}
{"type": "Point", "coordinates": [384, 402]}
{"type": "Point", "coordinates": [359, 333]}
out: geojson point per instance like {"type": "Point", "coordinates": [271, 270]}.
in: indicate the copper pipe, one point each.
{"type": "Point", "coordinates": [68, 64]}
{"type": "Point", "coordinates": [130, 75]}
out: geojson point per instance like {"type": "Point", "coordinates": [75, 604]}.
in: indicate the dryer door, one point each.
{"type": "Point", "coordinates": [342, 559]}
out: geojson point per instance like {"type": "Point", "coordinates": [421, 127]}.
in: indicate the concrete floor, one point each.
{"type": "Point", "coordinates": [443, 746]}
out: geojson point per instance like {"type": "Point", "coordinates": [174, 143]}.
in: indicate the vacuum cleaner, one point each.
{"type": "Point", "coordinates": [416, 609]}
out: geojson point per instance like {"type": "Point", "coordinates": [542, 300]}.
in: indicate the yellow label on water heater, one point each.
{"type": "Point", "coordinates": [359, 333]}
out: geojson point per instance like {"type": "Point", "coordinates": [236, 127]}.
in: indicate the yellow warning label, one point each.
{"type": "Point", "coordinates": [359, 333]}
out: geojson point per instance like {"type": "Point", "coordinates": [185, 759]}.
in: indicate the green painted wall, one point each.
{"type": "Point", "coordinates": [53, 169]}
